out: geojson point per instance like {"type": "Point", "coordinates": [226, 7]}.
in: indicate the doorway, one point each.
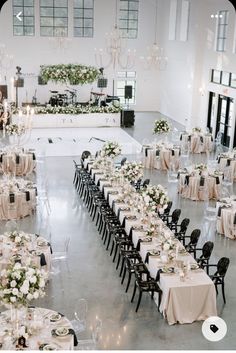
{"type": "Point", "coordinates": [224, 119]}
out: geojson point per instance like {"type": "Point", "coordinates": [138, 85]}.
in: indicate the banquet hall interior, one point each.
{"type": "Point", "coordinates": [117, 174]}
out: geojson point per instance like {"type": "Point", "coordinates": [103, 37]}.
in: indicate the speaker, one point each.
{"type": "Point", "coordinates": [127, 117]}
{"type": "Point", "coordinates": [128, 92]}
{"type": "Point", "coordinates": [19, 82]}
{"type": "Point", "coordinates": [102, 82]}
{"type": "Point", "coordinates": [3, 92]}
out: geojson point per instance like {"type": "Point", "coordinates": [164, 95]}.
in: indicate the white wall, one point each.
{"type": "Point", "coordinates": [174, 92]}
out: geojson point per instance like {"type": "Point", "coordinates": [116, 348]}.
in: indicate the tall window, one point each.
{"type": "Point", "coordinates": [126, 78]}
{"type": "Point", "coordinates": [129, 18]}
{"type": "Point", "coordinates": [222, 30]}
{"type": "Point", "coordinates": [54, 18]}
{"type": "Point", "coordinates": [83, 18]}
{"type": "Point", "coordinates": [24, 24]}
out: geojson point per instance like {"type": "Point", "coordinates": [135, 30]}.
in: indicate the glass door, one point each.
{"type": "Point", "coordinates": [211, 110]}
{"type": "Point", "coordinates": [224, 119]}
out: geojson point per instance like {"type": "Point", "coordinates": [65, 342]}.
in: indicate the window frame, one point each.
{"type": "Point", "coordinates": [125, 16]}
{"type": "Point", "coordinates": [222, 24]}
{"type": "Point", "coordinates": [54, 17]}
{"type": "Point", "coordinates": [127, 79]}
{"type": "Point", "coordinates": [83, 18]}
{"type": "Point", "coordinates": [22, 23]}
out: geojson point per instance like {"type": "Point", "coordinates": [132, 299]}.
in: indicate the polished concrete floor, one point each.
{"type": "Point", "coordinates": [90, 273]}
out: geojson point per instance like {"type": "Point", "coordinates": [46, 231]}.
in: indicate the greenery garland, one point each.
{"type": "Point", "coordinates": [69, 73]}
{"type": "Point", "coordinates": [71, 109]}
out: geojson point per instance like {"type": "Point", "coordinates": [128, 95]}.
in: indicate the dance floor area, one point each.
{"type": "Point", "coordinates": [73, 141]}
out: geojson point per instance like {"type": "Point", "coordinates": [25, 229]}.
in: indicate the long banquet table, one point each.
{"type": "Point", "coordinates": [42, 324]}
{"type": "Point", "coordinates": [182, 302]}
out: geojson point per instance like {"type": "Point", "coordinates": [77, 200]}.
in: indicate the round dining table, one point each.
{"type": "Point", "coordinates": [42, 329]}
{"type": "Point", "coordinates": [17, 198]}
{"type": "Point", "coordinates": [162, 156]}
{"type": "Point", "coordinates": [17, 161]}
{"type": "Point", "coordinates": [198, 142]}
{"type": "Point", "coordinates": [26, 249]}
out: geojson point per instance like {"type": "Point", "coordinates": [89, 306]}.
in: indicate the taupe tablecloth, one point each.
{"type": "Point", "coordinates": [17, 163]}
{"type": "Point", "coordinates": [228, 161]}
{"type": "Point", "coordinates": [161, 158]}
{"type": "Point", "coordinates": [226, 219]}
{"type": "Point", "coordinates": [20, 207]}
{"type": "Point", "coordinates": [198, 142]}
{"type": "Point", "coordinates": [192, 189]}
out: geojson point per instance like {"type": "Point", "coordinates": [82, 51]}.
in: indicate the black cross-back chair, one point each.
{"type": "Point", "coordinates": [84, 155]}
{"type": "Point", "coordinates": [218, 277]}
{"type": "Point", "coordinates": [166, 212]}
{"type": "Point", "coordinates": [203, 260]}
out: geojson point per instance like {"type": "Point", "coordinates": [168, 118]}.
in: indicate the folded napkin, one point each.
{"type": "Point", "coordinates": [201, 139]}
{"type": "Point", "coordinates": [148, 255]}
{"type": "Point", "coordinates": [146, 150]}
{"type": "Point", "coordinates": [1, 157]}
{"type": "Point", "coordinates": [202, 181]}
{"type": "Point", "coordinates": [27, 195]}
{"type": "Point", "coordinates": [48, 244]}
{"type": "Point", "coordinates": [186, 179]}
{"type": "Point", "coordinates": [219, 210]}
{"type": "Point", "coordinates": [33, 154]}
{"type": "Point", "coordinates": [157, 153]}
{"type": "Point", "coordinates": [71, 332]}
{"type": "Point", "coordinates": [17, 159]}
{"type": "Point", "coordinates": [235, 218]}
{"type": "Point", "coordinates": [142, 241]}
{"type": "Point", "coordinates": [189, 138]}
{"type": "Point", "coordinates": [172, 152]}
{"type": "Point", "coordinates": [12, 198]}
{"type": "Point", "coordinates": [42, 260]}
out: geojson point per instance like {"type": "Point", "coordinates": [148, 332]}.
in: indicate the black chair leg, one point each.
{"type": "Point", "coordinates": [128, 283]}
{"type": "Point", "coordinates": [118, 262]}
{"type": "Point", "coordinates": [109, 240]}
{"type": "Point", "coordinates": [112, 248]}
{"type": "Point", "coordinates": [134, 291]}
{"type": "Point", "coordinates": [116, 249]}
{"type": "Point", "coordinates": [223, 291]}
{"type": "Point", "coordinates": [123, 277]}
{"type": "Point", "coordinates": [216, 289]}
{"type": "Point", "coordinates": [122, 266]}
{"type": "Point", "coordinates": [139, 300]}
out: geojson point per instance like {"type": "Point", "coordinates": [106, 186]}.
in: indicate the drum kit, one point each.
{"type": "Point", "coordinates": [63, 99]}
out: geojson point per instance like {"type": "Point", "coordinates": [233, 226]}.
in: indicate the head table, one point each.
{"type": "Point", "coordinates": [161, 156]}
{"type": "Point", "coordinates": [197, 183]}
{"type": "Point", "coordinates": [44, 329]}
{"type": "Point", "coordinates": [17, 161]}
{"type": "Point", "coordinates": [185, 299]}
{"type": "Point", "coordinates": [17, 198]}
{"type": "Point", "coordinates": [199, 142]}
{"type": "Point", "coordinates": [226, 217]}
{"type": "Point", "coordinates": [25, 248]}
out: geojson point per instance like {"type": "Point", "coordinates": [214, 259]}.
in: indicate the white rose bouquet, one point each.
{"type": "Point", "coordinates": [19, 238]}
{"type": "Point", "coordinates": [15, 130]}
{"type": "Point", "coordinates": [110, 149]}
{"type": "Point", "coordinates": [132, 171]}
{"type": "Point", "coordinates": [161, 126]}
{"type": "Point", "coordinates": [197, 129]}
{"type": "Point", "coordinates": [155, 198]}
{"type": "Point", "coordinates": [19, 285]}
{"type": "Point", "coordinates": [200, 166]}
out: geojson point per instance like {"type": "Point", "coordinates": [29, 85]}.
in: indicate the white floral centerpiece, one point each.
{"type": "Point", "coordinates": [19, 285]}
{"type": "Point", "coordinates": [168, 244]}
{"type": "Point", "coordinates": [155, 198]}
{"type": "Point", "coordinates": [200, 167]}
{"type": "Point", "coordinates": [110, 149]}
{"type": "Point", "coordinates": [132, 171]}
{"type": "Point", "coordinates": [15, 129]}
{"type": "Point", "coordinates": [19, 238]}
{"type": "Point", "coordinates": [161, 126]}
{"type": "Point", "coordinates": [197, 129]}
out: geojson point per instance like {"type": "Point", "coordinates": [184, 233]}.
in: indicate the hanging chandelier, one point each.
{"type": "Point", "coordinates": [115, 53]}
{"type": "Point", "coordinates": [156, 58]}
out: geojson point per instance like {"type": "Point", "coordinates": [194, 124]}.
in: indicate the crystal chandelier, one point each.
{"type": "Point", "coordinates": [155, 58]}
{"type": "Point", "coordinates": [115, 54]}
{"type": "Point", "coordinates": [60, 41]}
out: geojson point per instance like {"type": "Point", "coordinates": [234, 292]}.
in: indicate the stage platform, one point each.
{"type": "Point", "coordinates": [70, 121]}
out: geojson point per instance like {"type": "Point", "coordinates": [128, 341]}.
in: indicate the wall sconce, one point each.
{"type": "Point", "coordinates": [202, 91]}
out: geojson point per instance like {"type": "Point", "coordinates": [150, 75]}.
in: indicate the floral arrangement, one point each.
{"type": "Point", "coordinates": [110, 149]}
{"type": "Point", "coordinates": [19, 285]}
{"type": "Point", "coordinates": [155, 198]}
{"type": "Point", "coordinates": [168, 245]}
{"type": "Point", "coordinates": [15, 129]}
{"type": "Point", "coordinates": [161, 126]}
{"type": "Point", "coordinates": [197, 129]}
{"type": "Point", "coordinates": [71, 109]}
{"type": "Point", "coordinates": [200, 166]}
{"type": "Point", "coordinates": [132, 171]}
{"type": "Point", "coordinates": [150, 232]}
{"type": "Point", "coordinates": [19, 238]}
{"type": "Point", "coordinates": [69, 73]}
